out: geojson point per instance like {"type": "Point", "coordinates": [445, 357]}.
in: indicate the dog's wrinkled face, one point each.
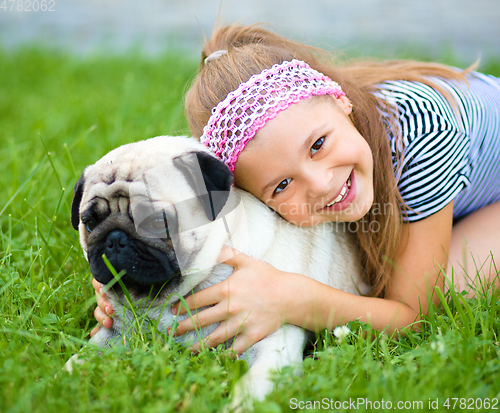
{"type": "Point", "coordinates": [145, 206]}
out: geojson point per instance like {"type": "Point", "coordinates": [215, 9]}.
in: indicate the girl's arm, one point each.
{"type": "Point", "coordinates": [257, 299]}
{"type": "Point", "coordinates": [422, 257]}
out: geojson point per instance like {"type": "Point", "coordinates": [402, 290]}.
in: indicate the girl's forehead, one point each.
{"type": "Point", "coordinates": [281, 144]}
{"type": "Point", "coordinates": [293, 124]}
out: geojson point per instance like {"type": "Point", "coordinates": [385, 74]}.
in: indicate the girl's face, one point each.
{"type": "Point", "coordinates": [310, 164]}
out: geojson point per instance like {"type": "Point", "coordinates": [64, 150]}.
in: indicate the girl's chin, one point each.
{"type": "Point", "coordinates": [352, 214]}
{"type": "Point", "coordinates": [304, 223]}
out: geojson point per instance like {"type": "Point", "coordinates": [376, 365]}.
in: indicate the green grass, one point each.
{"type": "Point", "coordinates": [60, 113]}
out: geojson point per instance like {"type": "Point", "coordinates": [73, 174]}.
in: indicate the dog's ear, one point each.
{"type": "Point", "coordinates": [75, 205]}
{"type": "Point", "coordinates": [213, 186]}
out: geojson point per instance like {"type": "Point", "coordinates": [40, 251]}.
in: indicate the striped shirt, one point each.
{"type": "Point", "coordinates": [446, 157]}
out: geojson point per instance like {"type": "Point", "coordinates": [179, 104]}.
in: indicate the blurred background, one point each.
{"type": "Point", "coordinates": [460, 29]}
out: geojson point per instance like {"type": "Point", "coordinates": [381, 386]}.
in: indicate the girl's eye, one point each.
{"type": "Point", "coordinates": [282, 185]}
{"type": "Point", "coordinates": [317, 145]}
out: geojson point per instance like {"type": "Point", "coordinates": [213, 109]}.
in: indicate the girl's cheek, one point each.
{"type": "Point", "coordinates": [283, 210]}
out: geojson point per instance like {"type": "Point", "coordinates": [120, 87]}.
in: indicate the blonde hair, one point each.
{"type": "Point", "coordinates": [252, 49]}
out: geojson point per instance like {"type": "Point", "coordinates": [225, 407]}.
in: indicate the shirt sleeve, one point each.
{"type": "Point", "coordinates": [434, 144]}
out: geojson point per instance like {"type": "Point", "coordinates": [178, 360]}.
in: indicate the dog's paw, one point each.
{"type": "Point", "coordinates": [71, 362]}
{"type": "Point", "coordinates": [249, 388]}
{"type": "Point", "coordinates": [239, 403]}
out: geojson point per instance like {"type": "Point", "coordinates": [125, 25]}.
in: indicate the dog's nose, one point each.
{"type": "Point", "coordinates": [117, 240]}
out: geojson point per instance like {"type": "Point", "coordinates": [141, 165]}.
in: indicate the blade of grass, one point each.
{"type": "Point", "coordinates": [131, 306]}
{"type": "Point", "coordinates": [51, 163]}
{"type": "Point", "coordinates": [445, 305]}
{"type": "Point", "coordinates": [23, 185]}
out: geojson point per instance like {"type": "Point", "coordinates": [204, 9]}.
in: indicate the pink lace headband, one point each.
{"type": "Point", "coordinates": [236, 120]}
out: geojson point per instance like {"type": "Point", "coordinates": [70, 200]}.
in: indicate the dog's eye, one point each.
{"type": "Point", "coordinates": [90, 224]}
{"type": "Point", "coordinates": [156, 224]}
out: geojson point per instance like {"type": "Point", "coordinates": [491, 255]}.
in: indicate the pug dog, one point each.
{"type": "Point", "coordinates": [160, 211]}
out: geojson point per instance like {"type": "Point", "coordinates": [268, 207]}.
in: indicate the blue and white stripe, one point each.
{"type": "Point", "coordinates": [450, 152]}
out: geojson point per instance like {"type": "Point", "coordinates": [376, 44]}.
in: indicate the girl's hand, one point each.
{"type": "Point", "coordinates": [103, 310]}
{"type": "Point", "coordinates": [250, 304]}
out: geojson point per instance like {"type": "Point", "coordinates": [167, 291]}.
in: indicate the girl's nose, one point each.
{"type": "Point", "coordinates": [318, 184]}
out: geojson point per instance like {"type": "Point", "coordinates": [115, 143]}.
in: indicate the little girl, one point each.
{"type": "Point", "coordinates": [407, 153]}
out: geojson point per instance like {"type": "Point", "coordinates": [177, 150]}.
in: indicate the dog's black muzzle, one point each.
{"type": "Point", "coordinates": [146, 269]}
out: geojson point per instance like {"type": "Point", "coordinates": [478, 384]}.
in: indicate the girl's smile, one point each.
{"type": "Point", "coordinates": [345, 197]}
{"type": "Point", "coordinates": [310, 164]}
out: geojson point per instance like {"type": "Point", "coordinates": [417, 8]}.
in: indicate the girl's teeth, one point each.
{"type": "Point", "coordinates": [343, 193]}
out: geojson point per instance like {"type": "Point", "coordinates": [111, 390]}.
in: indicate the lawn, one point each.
{"type": "Point", "coordinates": [59, 113]}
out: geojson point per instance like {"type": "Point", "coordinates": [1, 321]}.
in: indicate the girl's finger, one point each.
{"type": "Point", "coordinates": [97, 285]}
{"type": "Point", "coordinates": [102, 318]}
{"type": "Point", "coordinates": [203, 298]}
{"type": "Point", "coordinates": [242, 343]}
{"type": "Point", "coordinates": [95, 330]}
{"type": "Point", "coordinates": [199, 320]}
{"type": "Point", "coordinates": [104, 305]}
{"type": "Point", "coordinates": [221, 334]}
{"type": "Point", "coordinates": [232, 257]}
{"type": "Point", "coordinates": [235, 258]}
{"type": "Point", "coordinates": [207, 342]}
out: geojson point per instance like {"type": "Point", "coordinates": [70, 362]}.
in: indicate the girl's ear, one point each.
{"type": "Point", "coordinates": [345, 104]}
